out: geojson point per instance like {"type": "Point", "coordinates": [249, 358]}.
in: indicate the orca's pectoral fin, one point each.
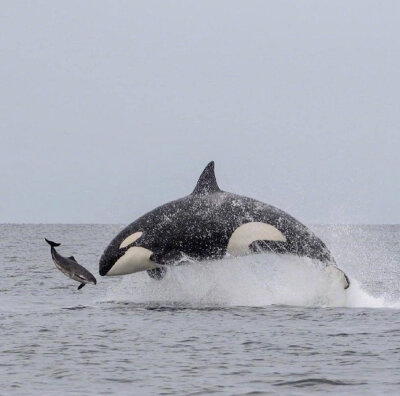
{"type": "Point", "coordinates": [81, 285]}
{"type": "Point", "coordinates": [162, 259]}
{"type": "Point", "coordinates": [279, 247]}
{"type": "Point", "coordinates": [166, 258]}
{"type": "Point", "coordinates": [157, 273]}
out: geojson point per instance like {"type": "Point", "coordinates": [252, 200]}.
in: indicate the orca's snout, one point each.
{"type": "Point", "coordinates": [109, 258]}
{"type": "Point", "coordinates": [104, 265]}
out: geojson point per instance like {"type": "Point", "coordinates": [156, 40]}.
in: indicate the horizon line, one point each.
{"type": "Point", "coordinates": [312, 224]}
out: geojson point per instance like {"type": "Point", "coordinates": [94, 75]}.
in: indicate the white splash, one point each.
{"type": "Point", "coordinates": [256, 281]}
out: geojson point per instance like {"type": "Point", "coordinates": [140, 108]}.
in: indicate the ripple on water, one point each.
{"type": "Point", "coordinates": [312, 382]}
{"type": "Point", "coordinates": [241, 327]}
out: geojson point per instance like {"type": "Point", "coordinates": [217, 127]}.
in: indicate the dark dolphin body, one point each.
{"type": "Point", "coordinates": [69, 267]}
{"type": "Point", "coordinates": [209, 224]}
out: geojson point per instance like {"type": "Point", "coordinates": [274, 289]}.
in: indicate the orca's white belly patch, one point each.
{"type": "Point", "coordinates": [248, 233]}
{"type": "Point", "coordinates": [135, 259]}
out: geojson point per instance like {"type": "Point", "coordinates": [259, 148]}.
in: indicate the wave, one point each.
{"type": "Point", "coordinates": [253, 281]}
{"type": "Point", "coordinates": [310, 382]}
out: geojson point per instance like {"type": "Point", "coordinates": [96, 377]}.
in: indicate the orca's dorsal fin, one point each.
{"type": "Point", "coordinates": [207, 183]}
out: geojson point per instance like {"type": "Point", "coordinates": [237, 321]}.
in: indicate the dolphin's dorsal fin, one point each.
{"type": "Point", "coordinates": [72, 258]}
{"type": "Point", "coordinates": [207, 182]}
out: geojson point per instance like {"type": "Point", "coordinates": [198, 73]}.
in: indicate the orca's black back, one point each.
{"type": "Point", "coordinates": [200, 226]}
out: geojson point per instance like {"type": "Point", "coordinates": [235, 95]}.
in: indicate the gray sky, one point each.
{"type": "Point", "coordinates": [110, 108]}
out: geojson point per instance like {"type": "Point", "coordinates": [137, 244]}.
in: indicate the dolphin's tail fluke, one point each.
{"type": "Point", "coordinates": [51, 243]}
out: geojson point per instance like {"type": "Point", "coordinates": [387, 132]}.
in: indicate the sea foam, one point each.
{"type": "Point", "coordinates": [256, 281]}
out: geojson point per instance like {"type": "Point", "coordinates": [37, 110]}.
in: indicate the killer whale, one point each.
{"type": "Point", "coordinates": [209, 224]}
{"type": "Point", "coordinates": [70, 267]}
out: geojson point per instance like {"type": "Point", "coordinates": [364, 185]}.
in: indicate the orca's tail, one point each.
{"type": "Point", "coordinates": [335, 271]}
{"type": "Point", "coordinates": [51, 243]}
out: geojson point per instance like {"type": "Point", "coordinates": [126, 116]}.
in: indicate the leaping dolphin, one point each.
{"type": "Point", "coordinates": [210, 224]}
{"type": "Point", "coordinates": [70, 267]}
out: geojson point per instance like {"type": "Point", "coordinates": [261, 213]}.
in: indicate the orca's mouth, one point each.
{"type": "Point", "coordinates": [105, 265]}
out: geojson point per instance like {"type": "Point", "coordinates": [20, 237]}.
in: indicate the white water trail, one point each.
{"type": "Point", "coordinates": [255, 281]}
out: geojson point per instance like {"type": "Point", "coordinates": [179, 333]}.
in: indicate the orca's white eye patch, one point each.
{"type": "Point", "coordinates": [130, 239]}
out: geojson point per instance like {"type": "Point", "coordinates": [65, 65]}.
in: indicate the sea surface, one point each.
{"type": "Point", "coordinates": [256, 325]}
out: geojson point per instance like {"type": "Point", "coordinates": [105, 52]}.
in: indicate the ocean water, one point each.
{"type": "Point", "coordinates": [256, 325]}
